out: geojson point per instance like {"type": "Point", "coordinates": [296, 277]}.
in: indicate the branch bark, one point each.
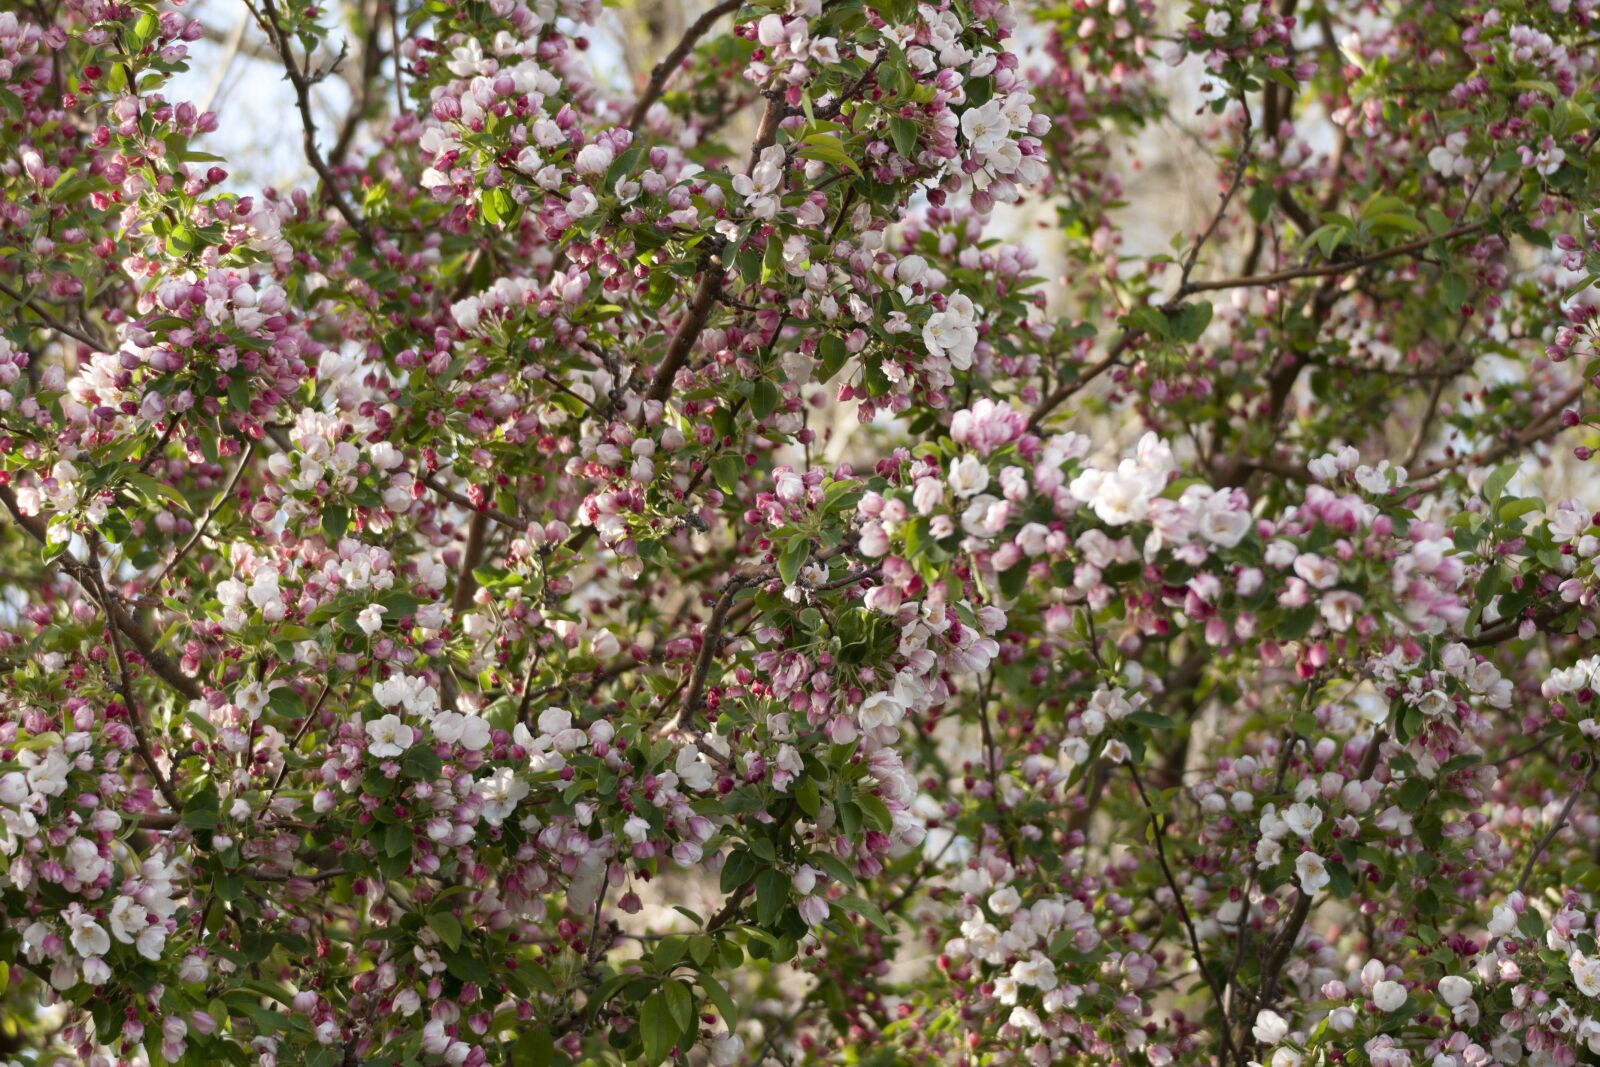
{"type": "Point", "coordinates": [80, 572]}
{"type": "Point", "coordinates": [664, 69]}
{"type": "Point", "coordinates": [1323, 270]}
{"type": "Point", "coordinates": [268, 19]}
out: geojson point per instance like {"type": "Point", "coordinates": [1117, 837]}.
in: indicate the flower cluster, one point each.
{"type": "Point", "coordinates": [627, 570]}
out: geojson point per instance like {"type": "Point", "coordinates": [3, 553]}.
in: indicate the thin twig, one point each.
{"type": "Point", "coordinates": [664, 69]}
{"type": "Point", "coordinates": [1239, 167]}
{"type": "Point", "coordinates": [80, 572]}
{"type": "Point", "coordinates": [211, 513]}
{"type": "Point", "coordinates": [1158, 828]}
{"type": "Point", "coordinates": [268, 19]}
{"type": "Point", "coordinates": [710, 639]}
{"type": "Point", "coordinates": [1066, 390]}
{"type": "Point", "coordinates": [1323, 270]}
{"type": "Point", "coordinates": [462, 500]}
{"type": "Point", "coordinates": [711, 271]}
{"type": "Point", "coordinates": [141, 738]}
{"type": "Point", "coordinates": [49, 321]}
{"type": "Point", "coordinates": [1556, 827]}
{"type": "Point", "coordinates": [305, 724]}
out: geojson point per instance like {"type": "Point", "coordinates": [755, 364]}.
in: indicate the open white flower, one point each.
{"type": "Point", "coordinates": [1270, 1027]}
{"type": "Point", "coordinates": [968, 476]}
{"type": "Point", "coordinates": [390, 737]}
{"type": "Point", "coordinates": [880, 709]}
{"type": "Point", "coordinates": [1312, 872]}
{"type": "Point", "coordinates": [500, 792]}
{"type": "Point", "coordinates": [1454, 990]}
{"type": "Point", "coordinates": [88, 937]}
{"type": "Point", "coordinates": [1388, 995]}
{"type": "Point", "coordinates": [1585, 973]}
{"type": "Point", "coordinates": [953, 332]}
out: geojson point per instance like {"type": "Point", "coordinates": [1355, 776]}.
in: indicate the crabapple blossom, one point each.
{"type": "Point", "coordinates": [788, 552]}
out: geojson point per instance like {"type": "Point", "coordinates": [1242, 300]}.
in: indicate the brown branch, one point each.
{"type": "Point", "coordinates": [1546, 613]}
{"type": "Point", "coordinates": [461, 500]}
{"type": "Point", "coordinates": [1556, 827]}
{"type": "Point", "coordinates": [49, 321]}
{"type": "Point", "coordinates": [1539, 427]}
{"type": "Point", "coordinates": [217, 505]}
{"type": "Point", "coordinates": [705, 296]}
{"type": "Point", "coordinates": [730, 907]}
{"type": "Point", "coordinates": [710, 639]}
{"type": "Point", "coordinates": [689, 329]}
{"type": "Point", "coordinates": [1066, 390]}
{"type": "Point", "coordinates": [283, 768]}
{"type": "Point", "coordinates": [141, 739]}
{"type": "Point", "coordinates": [1323, 270]}
{"type": "Point", "coordinates": [81, 573]}
{"type": "Point", "coordinates": [361, 105]}
{"type": "Point", "coordinates": [1158, 835]}
{"type": "Point", "coordinates": [664, 69]}
{"type": "Point", "coordinates": [268, 19]}
{"type": "Point", "coordinates": [466, 585]}
{"type": "Point", "coordinates": [1237, 179]}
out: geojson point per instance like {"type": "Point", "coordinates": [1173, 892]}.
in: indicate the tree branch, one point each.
{"type": "Point", "coordinates": [1323, 270]}
{"type": "Point", "coordinates": [1158, 835]}
{"type": "Point", "coordinates": [664, 69]}
{"type": "Point", "coordinates": [50, 322]}
{"type": "Point", "coordinates": [1556, 827]}
{"type": "Point", "coordinates": [81, 573]}
{"type": "Point", "coordinates": [268, 19]}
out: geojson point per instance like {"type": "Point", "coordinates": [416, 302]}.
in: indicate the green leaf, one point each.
{"type": "Point", "coordinates": [181, 241]}
{"type": "Point", "coordinates": [806, 795]}
{"type": "Point", "coordinates": [725, 471]}
{"type": "Point", "coordinates": [154, 490]}
{"type": "Point", "coordinates": [831, 355]}
{"type": "Point", "coordinates": [1261, 201]}
{"type": "Point", "coordinates": [764, 399]}
{"type": "Point", "coordinates": [867, 910]}
{"type": "Point", "coordinates": [876, 811]}
{"type": "Point", "coordinates": [668, 952]}
{"type": "Point", "coordinates": [739, 869]}
{"type": "Point", "coordinates": [657, 1028]}
{"type": "Point", "coordinates": [1189, 321]}
{"type": "Point", "coordinates": [1339, 881]}
{"type": "Point", "coordinates": [447, 926]}
{"type": "Point", "coordinates": [680, 1002]}
{"type": "Point", "coordinates": [826, 148]}
{"type": "Point", "coordinates": [534, 1048]}
{"type": "Point", "coordinates": [719, 996]}
{"type": "Point", "coordinates": [145, 29]}
{"type": "Point", "coordinates": [203, 811]}
{"type": "Point", "coordinates": [836, 870]}
{"type": "Point", "coordinates": [335, 521]}
{"type": "Point", "coordinates": [396, 839]}
{"type": "Point", "coordinates": [772, 895]}
{"type": "Point", "coordinates": [1495, 485]}
{"type": "Point", "coordinates": [1014, 580]}
{"type": "Point", "coordinates": [904, 134]}
{"type": "Point", "coordinates": [1149, 321]}
{"type": "Point", "coordinates": [1453, 288]}
{"type": "Point", "coordinates": [1393, 222]}
{"type": "Point", "coordinates": [467, 966]}
{"type": "Point", "coordinates": [793, 557]}
{"type": "Point", "coordinates": [421, 762]}
{"type": "Point", "coordinates": [1412, 794]}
